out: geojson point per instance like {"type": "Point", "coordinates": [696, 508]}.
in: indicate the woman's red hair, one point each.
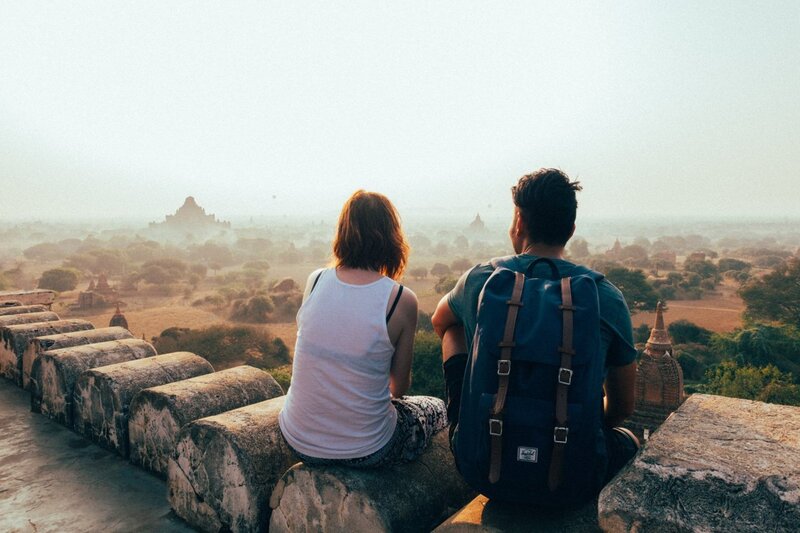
{"type": "Point", "coordinates": [369, 235]}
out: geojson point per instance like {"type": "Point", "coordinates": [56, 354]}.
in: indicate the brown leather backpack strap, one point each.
{"type": "Point", "coordinates": [561, 431]}
{"type": "Point", "coordinates": [503, 373]}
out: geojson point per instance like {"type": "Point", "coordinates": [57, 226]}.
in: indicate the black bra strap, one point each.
{"type": "Point", "coordinates": [315, 281]}
{"type": "Point", "coordinates": [394, 304]}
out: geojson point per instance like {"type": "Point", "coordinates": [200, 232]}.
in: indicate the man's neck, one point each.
{"type": "Point", "coordinates": [543, 250]}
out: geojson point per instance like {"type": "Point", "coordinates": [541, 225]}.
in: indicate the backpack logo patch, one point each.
{"type": "Point", "coordinates": [528, 455]}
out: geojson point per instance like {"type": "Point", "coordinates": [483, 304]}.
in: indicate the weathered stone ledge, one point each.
{"type": "Point", "coordinates": [158, 413]}
{"type": "Point", "coordinates": [32, 297]}
{"type": "Point", "coordinates": [22, 309]}
{"type": "Point", "coordinates": [103, 395]}
{"type": "Point", "coordinates": [412, 497]}
{"type": "Point", "coordinates": [717, 464]}
{"type": "Point", "coordinates": [16, 338]}
{"type": "Point", "coordinates": [27, 318]}
{"type": "Point", "coordinates": [39, 345]}
{"type": "Point", "coordinates": [54, 372]}
{"type": "Point", "coordinates": [225, 467]}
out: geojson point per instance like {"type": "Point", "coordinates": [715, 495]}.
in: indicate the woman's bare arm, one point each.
{"type": "Point", "coordinates": [402, 327]}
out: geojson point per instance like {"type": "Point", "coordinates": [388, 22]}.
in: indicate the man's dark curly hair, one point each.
{"type": "Point", "coordinates": [547, 203]}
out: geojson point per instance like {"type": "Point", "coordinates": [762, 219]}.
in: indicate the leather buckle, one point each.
{"type": "Point", "coordinates": [495, 427]}
{"type": "Point", "coordinates": [560, 435]}
{"type": "Point", "coordinates": [503, 367]}
{"type": "Point", "coordinates": [565, 376]}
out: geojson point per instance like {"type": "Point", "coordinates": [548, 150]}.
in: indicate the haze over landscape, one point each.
{"type": "Point", "coordinates": [270, 109]}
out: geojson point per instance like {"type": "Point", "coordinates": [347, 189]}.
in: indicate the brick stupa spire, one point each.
{"type": "Point", "coordinates": [659, 381]}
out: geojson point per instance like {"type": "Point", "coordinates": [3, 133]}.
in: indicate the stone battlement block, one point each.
{"type": "Point", "coordinates": [39, 345]}
{"type": "Point", "coordinates": [225, 467]}
{"type": "Point", "coordinates": [717, 464]}
{"type": "Point", "coordinates": [16, 339]}
{"type": "Point", "coordinates": [411, 497]}
{"type": "Point", "coordinates": [34, 297]}
{"type": "Point", "coordinates": [157, 414]}
{"type": "Point", "coordinates": [14, 319]}
{"type": "Point", "coordinates": [103, 395]}
{"type": "Point", "coordinates": [54, 372]}
{"type": "Point", "coordinates": [22, 309]}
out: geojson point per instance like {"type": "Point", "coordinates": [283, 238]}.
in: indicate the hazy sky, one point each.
{"type": "Point", "coordinates": [123, 109]}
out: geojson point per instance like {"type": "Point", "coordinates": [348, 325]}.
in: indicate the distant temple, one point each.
{"type": "Point", "coordinates": [118, 319]}
{"type": "Point", "coordinates": [659, 382]}
{"type": "Point", "coordinates": [190, 217]}
{"type": "Point", "coordinates": [615, 251]}
{"type": "Point", "coordinates": [98, 294]}
{"type": "Point", "coordinates": [477, 225]}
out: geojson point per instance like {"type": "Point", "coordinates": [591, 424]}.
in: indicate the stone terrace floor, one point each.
{"type": "Point", "coordinates": [53, 480]}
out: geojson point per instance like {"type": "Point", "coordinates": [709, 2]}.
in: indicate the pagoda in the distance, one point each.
{"type": "Point", "coordinates": [190, 220]}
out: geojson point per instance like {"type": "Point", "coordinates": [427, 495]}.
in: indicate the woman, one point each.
{"type": "Point", "coordinates": [355, 339]}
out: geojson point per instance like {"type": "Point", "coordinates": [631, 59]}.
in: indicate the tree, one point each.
{"type": "Point", "coordinates": [639, 295]}
{"type": "Point", "coordinates": [426, 367]}
{"type": "Point", "coordinates": [727, 263]}
{"type": "Point", "coordinates": [46, 251]}
{"type": "Point", "coordinates": [225, 346]}
{"type": "Point", "coordinates": [776, 296]}
{"type": "Point", "coordinates": [59, 279]}
{"type": "Point", "coordinates": [579, 248]}
{"type": "Point", "coordinates": [445, 285]}
{"type": "Point", "coordinates": [765, 383]}
{"type": "Point", "coordinates": [418, 273]}
{"type": "Point", "coordinates": [460, 265]}
{"type": "Point", "coordinates": [705, 269]}
{"type": "Point", "coordinates": [439, 270]}
{"type": "Point", "coordinates": [683, 332]}
{"type": "Point", "coordinates": [256, 309]}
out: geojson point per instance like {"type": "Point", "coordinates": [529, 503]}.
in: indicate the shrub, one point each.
{"type": "Point", "coordinates": [445, 285]}
{"type": "Point", "coordinates": [682, 332]}
{"type": "Point", "coordinates": [426, 368]}
{"type": "Point", "coordinates": [59, 279]}
{"type": "Point", "coordinates": [225, 346]}
{"type": "Point", "coordinates": [256, 309]}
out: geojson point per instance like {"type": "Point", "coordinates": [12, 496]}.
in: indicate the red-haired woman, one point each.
{"type": "Point", "coordinates": [352, 361]}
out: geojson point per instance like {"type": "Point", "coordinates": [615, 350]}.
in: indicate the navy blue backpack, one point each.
{"type": "Point", "coordinates": [530, 422]}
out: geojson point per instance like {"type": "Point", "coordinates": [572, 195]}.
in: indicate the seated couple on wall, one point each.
{"type": "Point", "coordinates": [356, 326]}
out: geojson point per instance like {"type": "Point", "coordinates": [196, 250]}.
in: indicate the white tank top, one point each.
{"type": "Point", "coordinates": [339, 405]}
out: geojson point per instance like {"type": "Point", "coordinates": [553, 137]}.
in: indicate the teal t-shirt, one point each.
{"type": "Point", "coordinates": [616, 332]}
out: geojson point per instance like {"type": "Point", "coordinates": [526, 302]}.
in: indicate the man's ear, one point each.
{"type": "Point", "coordinates": [519, 224]}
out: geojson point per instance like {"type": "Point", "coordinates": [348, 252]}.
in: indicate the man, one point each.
{"type": "Point", "coordinates": [544, 220]}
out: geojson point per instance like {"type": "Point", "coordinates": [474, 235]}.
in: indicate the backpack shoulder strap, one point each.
{"type": "Point", "coordinates": [561, 430]}
{"type": "Point", "coordinates": [503, 373]}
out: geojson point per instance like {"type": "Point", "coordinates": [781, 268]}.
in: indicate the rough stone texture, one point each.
{"type": "Point", "coordinates": [484, 516]}
{"type": "Point", "coordinates": [34, 297]}
{"type": "Point", "coordinates": [157, 414]}
{"type": "Point", "coordinates": [102, 395]}
{"type": "Point", "coordinates": [225, 467]}
{"type": "Point", "coordinates": [54, 372]}
{"type": "Point", "coordinates": [53, 481]}
{"type": "Point", "coordinates": [42, 344]}
{"type": "Point", "coordinates": [717, 464]}
{"type": "Point", "coordinates": [15, 340]}
{"type": "Point", "coordinates": [22, 309]}
{"type": "Point", "coordinates": [27, 318]}
{"type": "Point", "coordinates": [411, 497]}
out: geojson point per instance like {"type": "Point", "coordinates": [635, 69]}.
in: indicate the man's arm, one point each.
{"type": "Point", "coordinates": [443, 317]}
{"type": "Point", "coordinates": [620, 394]}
